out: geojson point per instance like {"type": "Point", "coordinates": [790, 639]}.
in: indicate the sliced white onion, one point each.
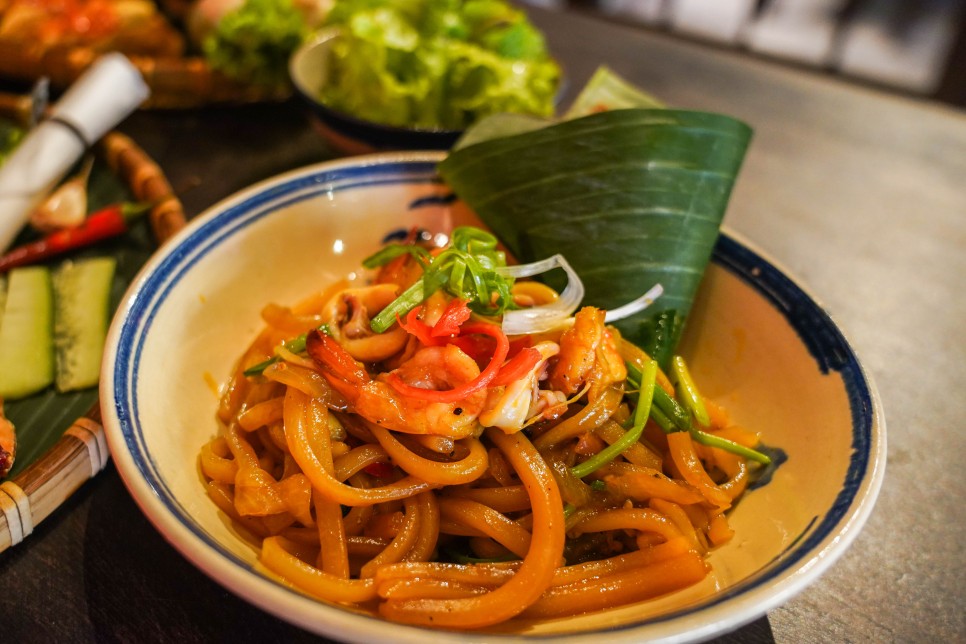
{"type": "Point", "coordinates": [549, 316]}
{"type": "Point", "coordinates": [635, 306]}
{"type": "Point", "coordinates": [555, 314]}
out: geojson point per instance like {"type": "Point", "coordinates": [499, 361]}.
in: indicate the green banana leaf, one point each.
{"type": "Point", "coordinates": [41, 419]}
{"type": "Point", "coordinates": [631, 197]}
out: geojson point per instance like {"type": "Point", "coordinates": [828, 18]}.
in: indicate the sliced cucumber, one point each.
{"type": "Point", "coordinates": [26, 348]}
{"type": "Point", "coordinates": [82, 293]}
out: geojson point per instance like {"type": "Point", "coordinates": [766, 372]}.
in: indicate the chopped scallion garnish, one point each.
{"type": "Point", "coordinates": [467, 269]}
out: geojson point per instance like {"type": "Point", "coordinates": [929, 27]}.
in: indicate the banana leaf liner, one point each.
{"type": "Point", "coordinates": [60, 441]}
{"type": "Point", "coordinates": [631, 197]}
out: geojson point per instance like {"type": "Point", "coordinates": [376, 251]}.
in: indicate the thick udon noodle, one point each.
{"type": "Point", "coordinates": [467, 531]}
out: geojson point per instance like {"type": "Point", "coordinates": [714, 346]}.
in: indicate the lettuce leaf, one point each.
{"type": "Point", "coordinates": [631, 198]}
{"type": "Point", "coordinates": [253, 43]}
{"type": "Point", "coordinates": [442, 64]}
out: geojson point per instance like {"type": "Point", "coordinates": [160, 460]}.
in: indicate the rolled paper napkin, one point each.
{"type": "Point", "coordinates": [100, 99]}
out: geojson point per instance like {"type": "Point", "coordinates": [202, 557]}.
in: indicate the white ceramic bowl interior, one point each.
{"type": "Point", "coordinates": [756, 342]}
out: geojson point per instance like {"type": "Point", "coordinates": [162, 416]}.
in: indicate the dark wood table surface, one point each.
{"type": "Point", "coordinates": [859, 193]}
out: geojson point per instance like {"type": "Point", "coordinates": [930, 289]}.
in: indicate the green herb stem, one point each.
{"type": "Point", "coordinates": [671, 416]}
{"type": "Point", "coordinates": [729, 446]}
{"type": "Point", "coordinates": [665, 423]}
{"type": "Point", "coordinates": [687, 391]}
{"type": "Point", "coordinates": [641, 413]}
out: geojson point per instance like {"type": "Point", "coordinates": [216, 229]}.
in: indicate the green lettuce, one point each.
{"type": "Point", "coordinates": [440, 64]}
{"type": "Point", "coordinates": [253, 43]}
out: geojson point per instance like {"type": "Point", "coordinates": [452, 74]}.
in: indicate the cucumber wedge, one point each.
{"type": "Point", "coordinates": [26, 328]}
{"type": "Point", "coordinates": [82, 293]}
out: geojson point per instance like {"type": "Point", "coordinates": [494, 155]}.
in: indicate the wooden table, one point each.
{"type": "Point", "coordinates": [860, 194]}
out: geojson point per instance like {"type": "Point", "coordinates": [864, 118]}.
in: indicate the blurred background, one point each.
{"type": "Point", "coordinates": [915, 47]}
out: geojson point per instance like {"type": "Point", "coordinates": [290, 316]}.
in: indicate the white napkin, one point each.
{"type": "Point", "coordinates": [102, 97]}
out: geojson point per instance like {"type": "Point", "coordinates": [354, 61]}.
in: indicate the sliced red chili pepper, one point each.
{"type": "Point", "coordinates": [454, 315]}
{"type": "Point", "coordinates": [445, 329]}
{"type": "Point", "coordinates": [478, 347]}
{"type": "Point", "coordinates": [517, 367]}
{"type": "Point", "coordinates": [519, 344]}
{"type": "Point", "coordinates": [416, 327]}
{"type": "Point", "coordinates": [481, 381]}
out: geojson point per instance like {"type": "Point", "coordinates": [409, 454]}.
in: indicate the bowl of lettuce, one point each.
{"type": "Point", "coordinates": [414, 75]}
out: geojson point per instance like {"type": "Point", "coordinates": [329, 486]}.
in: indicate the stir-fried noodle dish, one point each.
{"type": "Point", "coordinates": [452, 444]}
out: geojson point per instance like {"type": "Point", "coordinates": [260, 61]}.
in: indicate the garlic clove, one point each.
{"type": "Point", "coordinates": [66, 206]}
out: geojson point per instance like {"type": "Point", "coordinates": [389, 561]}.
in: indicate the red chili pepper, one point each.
{"type": "Point", "coordinates": [519, 344]}
{"type": "Point", "coordinates": [454, 315]}
{"type": "Point", "coordinates": [447, 327]}
{"type": "Point", "coordinates": [481, 381]}
{"type": "Point", "coordinates": [517, 367]}
{"type": "Point", "coordinates": [478, 347]}
{"type": "Point", "coordinates": [416, 327]}
{"type": "Point", "coordinates": [103, 224]}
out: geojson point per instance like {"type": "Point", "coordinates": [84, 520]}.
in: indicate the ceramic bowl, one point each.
{"type": "Point", "coordinates": [757, 342]}
{"type": "Point", "coordinates": [308, 69]}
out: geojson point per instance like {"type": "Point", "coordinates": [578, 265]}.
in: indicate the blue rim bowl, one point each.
{"type": "Point", "coordinates": [757, 342]}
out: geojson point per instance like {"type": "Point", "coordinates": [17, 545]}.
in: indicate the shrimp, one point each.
{"type": "Point", "coordinates": [510, 407]}
{"type": "Point", "coordinates": [347, 314]}
{"type": "Point", "coordinates": [8, 443]}
{"type": "Point", "coordinates": [376, 400]}
{"type": "Point", "coordinates": [588, 355]}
